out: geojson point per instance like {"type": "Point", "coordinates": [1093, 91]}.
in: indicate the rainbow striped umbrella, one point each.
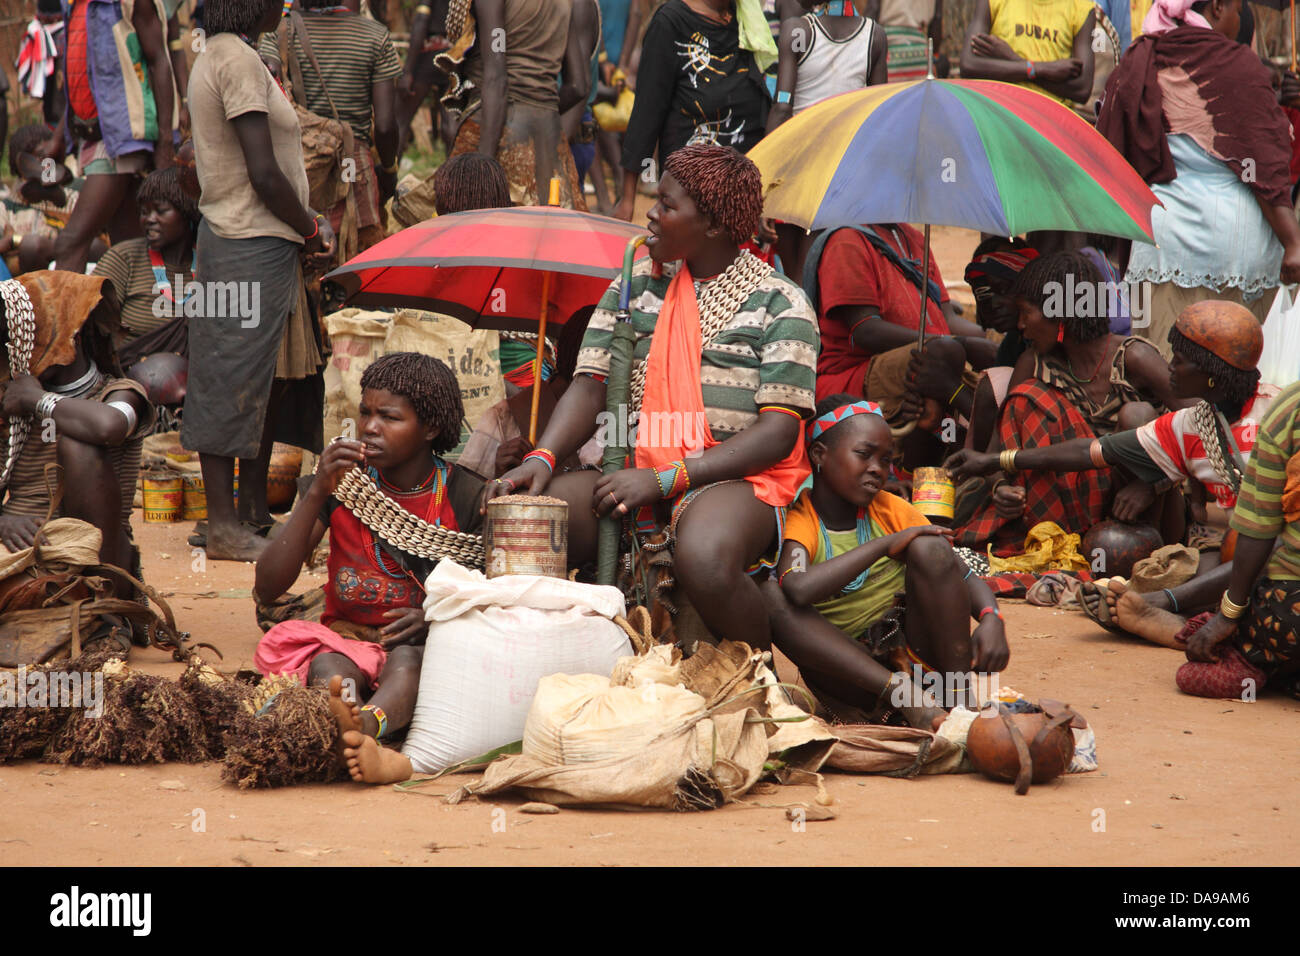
{"type": "Point", "coordinates": [991, 156]}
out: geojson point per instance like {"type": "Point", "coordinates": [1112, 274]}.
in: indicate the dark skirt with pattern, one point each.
{"type": "Point", "coordinates": [233, 356]}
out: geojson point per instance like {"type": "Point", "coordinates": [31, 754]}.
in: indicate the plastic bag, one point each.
{"type": "Point", "coordinates": [1280, 362]}
{"type": "Point", "coordinates": [490, 642]}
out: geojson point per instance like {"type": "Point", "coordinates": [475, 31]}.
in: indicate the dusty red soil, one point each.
{"type": "Point", "coordinates": [1182, 780]}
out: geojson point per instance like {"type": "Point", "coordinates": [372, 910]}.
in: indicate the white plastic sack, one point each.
{"type": "Point", "coordinates": [1280, 363]}
{"type": "Point", "coordinates": [490, 642]}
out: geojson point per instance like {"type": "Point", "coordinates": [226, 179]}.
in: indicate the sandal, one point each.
{"type": "Point", "coordinates": [1101, 615]}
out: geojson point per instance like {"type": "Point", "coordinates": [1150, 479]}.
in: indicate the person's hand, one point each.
{"type": "Point", "coordinates": [995, 48]}
{"type": "Point", "coordinates": [899, 541]}
{"type": "Point", "coordinates": [405, 626]}
{"type": "Point", "coordinates": [1132, 501]}
{"type": "Point", "coordinates": [21, 395]}
{"type": "Point", "coordinates": [911, 407]}
{"type": "Point", "coordinates": [1288, 93]}
{"type": "Point", "coordinates": [1203, 645]}
{"type": "Point", "coordinates": [530, 478]}
{"type": "Point", "coordinates": [319, 249]}
{"type": "Point", "coordinates": [989, 650]}
{"type": "Point", "coordinates": [185, 121]}
{"type": "Point", "coordinates": [930, 377]}
{"type": "Point", "coordinates": [1009, 502]}
{"type": "Point", "coordinates": [1058, 71]}
{"type": "Point", "coordinates": [510, 454]}
{"type": "Point", "coordinates": [406, 83]}
{"type": "Point", "coordinates": [623, 492]}
{"type": "Point", "coordinates": [55, 147]}
{"type": "Point", "coordinates": [1291, 265]}
{"type": "Point", "coordinates": [626, 207]}
{"type": "Point", "coordinates": [607, 73]}
{"type": "Point", "coordinates": [18, 531]}
{"type": "Point", "coordinates": [969, 463]}
{"type": "Point", "coordinates": [766, 230]}
{"type": "Point", "coordinates": [339, 457]}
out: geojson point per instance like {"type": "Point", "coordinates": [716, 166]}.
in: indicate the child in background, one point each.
{"type": "Point", "coordinates": [372, 631]}
{"type": "Point", "coordinates": [866, 587]}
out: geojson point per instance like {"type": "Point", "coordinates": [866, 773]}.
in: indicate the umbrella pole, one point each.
{"type": "Point", "coordinates": [541, 355]}
{"type": "Point", "coordinates": [1292, 36]}
{"type": "Point", "coordinates": [925, 288]}
{"type": "Point", "coordinates": [552, 200]}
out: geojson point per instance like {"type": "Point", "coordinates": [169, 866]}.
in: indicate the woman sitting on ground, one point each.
{"type": "Point", "coordinates": [149, 274]}
{"type": "Point", "coordinates": [1216, 347]}
{"type": "Point", "coordinates": [1251, 642]}
{"type": "Point", "coordinates": [864, 586]}
{"type": "Point", "coordinates": [1076, 380]}
{"type": "Point", "coordinates": [372, 631]}
{"type": "Point", "coordinates": [724, 371]}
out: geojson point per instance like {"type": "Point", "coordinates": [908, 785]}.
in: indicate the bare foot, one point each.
{"type": "Point", "coordinates": [370, 763]}
{"type": "Point", "coordinates": [346, 713]}
{"type": "Point", "coordinates": [1147, 622]}
{"type": "Point", "coordinates": [234, 544]}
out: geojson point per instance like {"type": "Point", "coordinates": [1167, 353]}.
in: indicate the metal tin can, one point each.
{"type": "Point", "coordinates": [526, 535]}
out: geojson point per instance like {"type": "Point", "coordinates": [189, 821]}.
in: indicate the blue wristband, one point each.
{"type": "Point", "coordinates": [783, 96]}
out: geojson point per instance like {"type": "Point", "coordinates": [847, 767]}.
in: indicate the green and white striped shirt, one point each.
{"type": "Point", "coordinates": [766, 354]}
{"type": "Point", "coordinates": [1258, 513]}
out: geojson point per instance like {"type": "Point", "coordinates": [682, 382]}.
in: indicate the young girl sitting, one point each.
{"type": "Point", "coordinates": [372, 629]}
{"type": "Point", "coordinates": [867, 588]}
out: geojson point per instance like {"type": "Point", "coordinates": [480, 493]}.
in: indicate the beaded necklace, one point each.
{"type": "Point", "coordinates": [863, 529]}
{"type": "Point", "coordinates": [161, 281]}
{"type": "Point", "coordinates": [438, 481]}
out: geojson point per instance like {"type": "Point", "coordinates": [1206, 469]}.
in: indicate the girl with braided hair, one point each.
{"type": "Point", "coordinates": [1075, 381]}
{"type": "Point", "coordinates": [371, 633]}
{"type": "Point", "coordinates": [724, 371]}
{"type": "Point", "coordinates": [1216, 347]}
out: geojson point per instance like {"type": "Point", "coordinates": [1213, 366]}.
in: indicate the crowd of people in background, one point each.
{"type": "Point", "coordinates": [260, 142]}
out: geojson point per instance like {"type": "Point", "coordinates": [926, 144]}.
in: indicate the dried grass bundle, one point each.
{"type": "Point", "coordinates": [290, 739]}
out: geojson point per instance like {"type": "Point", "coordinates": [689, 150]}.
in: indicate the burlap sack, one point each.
{"type": "Point", "coordinates": [359, 337]}
{"type": "Point", "coordinates": [892, 751]}
{"type": "Point", "coordinates": [1167, 567]}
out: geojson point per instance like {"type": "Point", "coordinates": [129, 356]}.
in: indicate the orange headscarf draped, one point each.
{"type": "Point", "coordinates": [673, 395]}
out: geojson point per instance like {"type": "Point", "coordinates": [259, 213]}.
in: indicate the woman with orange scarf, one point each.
{"type": "Point", "coordinates": [723, 374]}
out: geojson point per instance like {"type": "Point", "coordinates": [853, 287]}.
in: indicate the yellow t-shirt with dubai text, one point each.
{"type": "Point", "coordinates": [1040, 30]}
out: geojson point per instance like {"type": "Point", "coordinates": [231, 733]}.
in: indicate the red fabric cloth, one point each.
{"type": "Point", "coordinates": [80, 97]}
{"type": "Point", "coordinates": [1225, 678]}
{"type": "Point", "coordinates": [1293, 117]}
{"type": "Point", "coordinates": [1221, 95]}
{"type": "Point", "coordinates": [359, 590]}
{"type": "Point", "coordinates": [291, 646]}
{"type": "Point", "coordinates": [1035, 415]}
{"type": "Point", "coordinates": [672, 387]}
{"type": "Point", "coordinates": [852, 272]}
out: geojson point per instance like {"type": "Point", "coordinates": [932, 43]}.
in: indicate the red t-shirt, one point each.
{"type": "Point", "coordinates": [80, 98]}
{"type": "Point", "coordinates": [1293, 116]}
{"type": "Point", "coordinates": [364, 582]}
{"type": "Point", "coordinates": [852, 272]}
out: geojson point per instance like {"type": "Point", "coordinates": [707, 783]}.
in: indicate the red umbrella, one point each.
{"type": "Point", "coordinates": [488, 267]}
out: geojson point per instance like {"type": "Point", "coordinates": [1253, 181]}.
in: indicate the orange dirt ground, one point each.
{"type": "Point", "coordinates": [1182, 780]}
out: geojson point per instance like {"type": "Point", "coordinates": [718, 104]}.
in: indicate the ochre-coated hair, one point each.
{"type": "Point", "coordinates": [470, 181]}
{"type": "Point", "coordinates": [1035, 286]}
{"type": "Point", "coordinates": [165, 185]}
{"type": "Point", "coordinates": [428, 384]}
{"type": "Point", "coordinates": [724, 185]}
{"type": "Point", "coordinates": [232, 16]}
